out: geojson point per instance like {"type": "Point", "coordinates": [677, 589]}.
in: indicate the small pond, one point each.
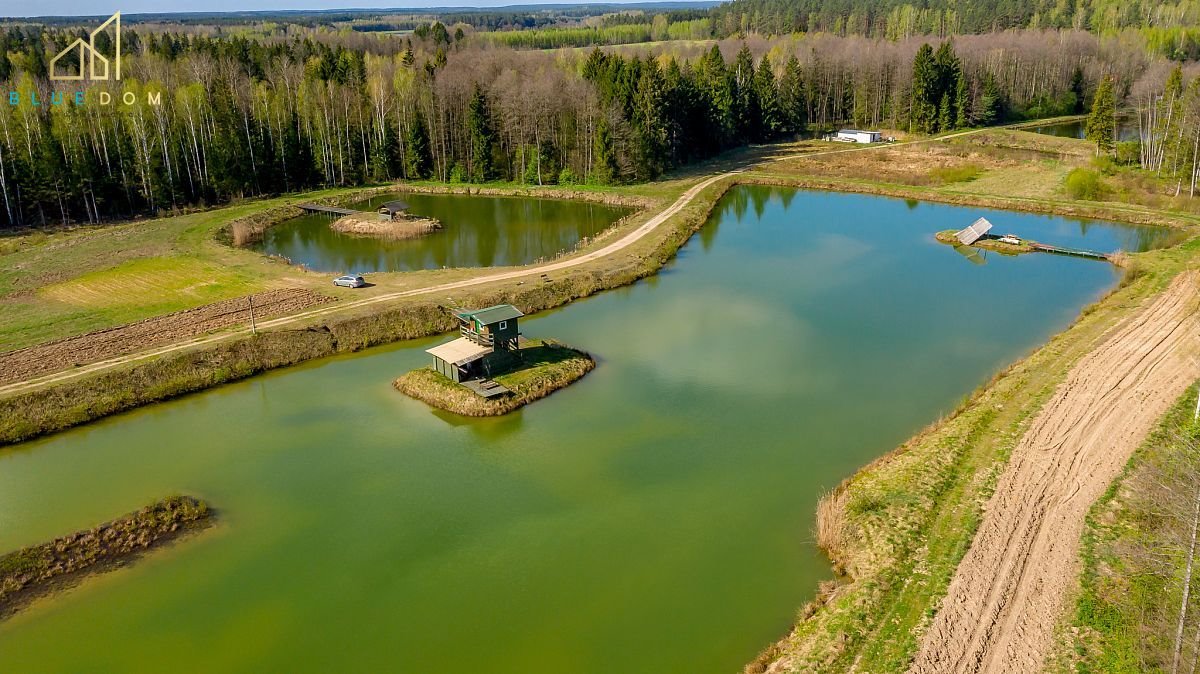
{"type": "Point", "coordinates": [478, 231]}
{"type": "Point", "coordinates": [1127, 129]}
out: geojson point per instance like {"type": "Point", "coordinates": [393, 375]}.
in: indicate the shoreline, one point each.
{"type": "Point", "coordinates": [40, 571]}
{"type": "Point", "coordinates": [534, 383]}
{"type": "Point", "coordinates": [46, 410]}
{"type": "Point", "coordinates": [42, 411]}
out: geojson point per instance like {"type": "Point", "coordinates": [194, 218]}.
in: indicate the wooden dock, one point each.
{"type": "Point", "coordinates": [1059, 250]}
{"type": "Point", "coordinates": [328, 210]}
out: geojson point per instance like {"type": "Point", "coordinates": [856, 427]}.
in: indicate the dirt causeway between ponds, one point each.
{"type": "Point", "coordinates": [1002, 605]}
{"type": "Point", "coordinates": [125, 339]}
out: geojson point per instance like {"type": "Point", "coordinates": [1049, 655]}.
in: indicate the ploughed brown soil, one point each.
{"type": "Point", "coordinates": [66, 353]}
{"type": "Point", "coordinates": [1001, 607]}
{"type": "Point", "coordinates": [40, 570]}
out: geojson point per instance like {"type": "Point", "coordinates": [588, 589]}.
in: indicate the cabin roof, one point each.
{"type": "Point", "coordinates": [394, 206]}
{"type": "Point", "coordinates": [856, 131]}
{"type": "Point", "coordinates": [974, 231]}
{"type": "Point", "coordinates": [459, 351]}
{"type": "Point", "coordinates": [500, 312]}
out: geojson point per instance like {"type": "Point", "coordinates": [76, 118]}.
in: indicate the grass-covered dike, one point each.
{"type": "Point", "coordinates": [543, 368]}
{"type": "Point", "coordinates": [40, 570]}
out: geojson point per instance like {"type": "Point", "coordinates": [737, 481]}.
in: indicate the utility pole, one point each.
{"type": "Point", "coordinates": [253, 324]}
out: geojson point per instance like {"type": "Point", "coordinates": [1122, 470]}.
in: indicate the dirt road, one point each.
{"type": "Point", "coordinates": [133, 337]}
{"type": "Point", "coordinates": [1000, 610]}
{"type": "Point", "coordinates": [48, 379]}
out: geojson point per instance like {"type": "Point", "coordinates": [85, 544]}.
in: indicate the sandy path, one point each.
{"type": "Point", "coordinates": [1002, 604]}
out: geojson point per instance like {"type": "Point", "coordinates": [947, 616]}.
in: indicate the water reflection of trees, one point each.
{"type": "Point", "coordinates": [478, 232]}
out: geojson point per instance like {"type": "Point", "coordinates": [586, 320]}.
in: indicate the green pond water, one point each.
{"type": "Point", "coordinates": [1126, 129]}
{"type": "Point", "coordinates": [478, 231]}
{"type": "Point", "coordinates": [654, 517]}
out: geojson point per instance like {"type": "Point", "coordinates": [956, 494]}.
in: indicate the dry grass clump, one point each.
{"type": "Point", "coordinates": [369, 224]}
{"type": "Point", "coordinates": [36, 571]}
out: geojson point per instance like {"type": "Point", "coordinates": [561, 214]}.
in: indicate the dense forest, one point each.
{"type": "Point", "coordinates": [1171, 27]}
{"type": "Point", "coordinates": [242, 117]}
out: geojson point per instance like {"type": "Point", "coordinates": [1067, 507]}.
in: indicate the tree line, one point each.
{"type": "Point", "coordinates": [241, 117]}
{"type": "Point", "coordinates": [899, 19]}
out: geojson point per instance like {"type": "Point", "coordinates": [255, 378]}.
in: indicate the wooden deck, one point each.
{"type": "Point", "coordinates": [330, 210]}
{"type": "Point", "coordinates": [1060, 250]}
{"type": "Point", "coordinates": [485, 387]}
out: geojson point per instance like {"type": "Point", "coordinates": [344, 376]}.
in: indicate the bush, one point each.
{"type": "Point", "coordinates": [1128, 152]}
{"type": "Point", "coordinates": [1105, 164]}
{"type": "Point", "coordinates": [458, 174]}
{"type": "Point", "coordinates": [567, 177]}
{"type": "Point", "coordinates": [1084, 183]}
{"type": "Point", "coordinates": [955, 174]}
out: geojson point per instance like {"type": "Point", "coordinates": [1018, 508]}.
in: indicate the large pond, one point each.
{"type": "Point", "coordinates": [656, 516]}
{"type": "Point", "coordinates": [478, 231]}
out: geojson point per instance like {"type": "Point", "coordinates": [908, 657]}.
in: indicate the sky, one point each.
{"type": "Point", "coordinates": [21, 8]}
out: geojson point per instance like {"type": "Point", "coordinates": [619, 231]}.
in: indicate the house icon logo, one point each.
{"type": "Point", "coordinates": [91, 57]}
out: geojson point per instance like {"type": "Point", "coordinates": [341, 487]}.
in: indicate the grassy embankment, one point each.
{"type": "Point", "coordinates": [76, 401]}
{"type": "Point", "coordinates": [898, 528]}
{"type": "Point", "coordinates": [30, 573]}
{"type": "Point", "coordinates": [1134, 552]}
{"type": "Point", "coordinates": [543, 367]}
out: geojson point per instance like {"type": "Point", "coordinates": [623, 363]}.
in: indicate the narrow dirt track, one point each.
{"type": "Point", "coordinates": [1002, 604]}
{"type": "Point", "coordinates": [629, 239]}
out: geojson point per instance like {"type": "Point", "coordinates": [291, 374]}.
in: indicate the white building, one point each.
{"type": "Point", "coordinates": [856, 136]}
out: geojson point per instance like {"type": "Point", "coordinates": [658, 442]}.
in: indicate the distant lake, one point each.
{"type": "Point", "coordinates": [656, 516]}
{"type": "Point", "coordinates": [479, 231]}
{"type": "Point", "coordinates": [1127, 129]}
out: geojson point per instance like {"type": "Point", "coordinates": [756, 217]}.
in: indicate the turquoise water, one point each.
{"type": "Point", "coordinates": [655, 516]}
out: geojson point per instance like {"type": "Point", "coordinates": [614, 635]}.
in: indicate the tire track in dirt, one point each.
{"type": "Point", "coordinates": [1001, 606]}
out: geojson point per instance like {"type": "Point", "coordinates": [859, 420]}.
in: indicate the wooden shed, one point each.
{"type": "Point", "coordinates": [485, 335]}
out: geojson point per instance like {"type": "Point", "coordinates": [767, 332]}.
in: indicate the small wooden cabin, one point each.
{"type": "Point", "coordinates": [485, 335]}
{"type": "Point", "coordinates": [392, 209]}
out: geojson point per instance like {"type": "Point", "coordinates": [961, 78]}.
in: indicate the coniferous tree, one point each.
{"type": "Point", "coordinates": [923, 113]}
{"type": "Point", "coordinates": [604, 164]}
{"type": "Point", "coordinates": [962, 103]}
{"type": "Point", "coordinates": [417, 161]}
{"type": "Point", "coordinates": [747, 118]}
{"type": "Point", "coordinates": [792, 103]}
{"type": "Point", "coordinates": [765, 90]}
{"type": "Point", "coordinates": [483, 138]}
{"type": "Point", "coordinates": [1102, 121]}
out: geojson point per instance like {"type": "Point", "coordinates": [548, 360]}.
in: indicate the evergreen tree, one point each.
{"type": "Point", "coordinates": [716, 90]}
{"type": "Point", "coordinates": [747, 122]}
{"type": "Point", "coordinates": [923, 113]}
{"type": "Point", "coordinates": [990, 103]}
{"type": "Point", "coordinates": [945, 114]}
{"type": "Point", "coordinates": [649, 122]}
{"type": "Point", "coordinates": [604, 160]}
{"type": "Point", "coordinates": [792, 103]}
{"type": "Point", "coordinates": [483, 138]}
{"type": "Point", "coordinates": [1102, 121]}
{"type": "Point", "coordinates": [962, 103]}
{"type": "Point", "coordinates": [771, 121]}
{"type": "Point", "coordinates": [417, 160]}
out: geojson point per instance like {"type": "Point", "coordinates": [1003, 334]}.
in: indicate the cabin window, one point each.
{"type": "Point", "coordinates": [503, 325]}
